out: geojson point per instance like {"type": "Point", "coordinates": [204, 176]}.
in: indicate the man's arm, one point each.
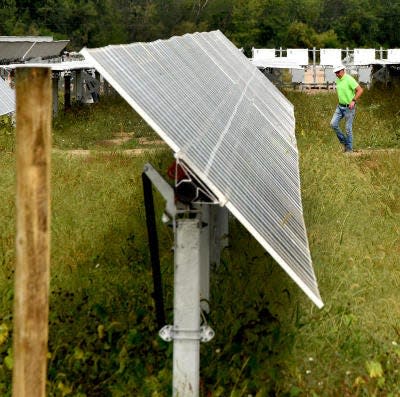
{"type": "Point", "coordinates": [358, 92]}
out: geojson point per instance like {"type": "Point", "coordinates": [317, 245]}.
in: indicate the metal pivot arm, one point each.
{"type": "Point", "coordinates": [153, 244]}
{"type": "Point", "coordinates": [151, 176]}
{"type": "Point", "coordinates": [165, 189]}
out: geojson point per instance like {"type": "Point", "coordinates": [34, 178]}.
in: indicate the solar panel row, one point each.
{"type": "Point", "coordinates": [11, 51]}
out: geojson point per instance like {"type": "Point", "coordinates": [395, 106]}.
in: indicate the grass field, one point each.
{"type": "Point", "coordinates": [270, 339]}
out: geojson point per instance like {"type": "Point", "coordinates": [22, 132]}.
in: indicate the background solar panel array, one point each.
{"type": "Point", "coordinates": [54, 66]}
{"type": "Point", "coordinates": [24, 50]}
{"type": "Point", "coordinates": [230, 125]}
{"type": "Point", "coordinates": [7, 98]}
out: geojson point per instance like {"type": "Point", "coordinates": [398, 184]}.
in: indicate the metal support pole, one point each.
{"type": "Point", "coordinates": [186, 354]}
{"type": "Point", "coordinates": [191, 285]}
{"type": "Point", "coordinates": [55, 80]}
{"type": "Point", "coordinates": [106, 87]}
{"type": "Point", "coordinates": [97, 75]}
{"type": "Point", "coordinates": [67, 92]}
{"type": "Point", "coordinates": [73, 84]}
{"type": "Point", "coordinates": [79, 85]}
{"type": "Point", "coordinates": [219, 231]}
{"type": "Point", "coordinates": [204, 256]}
{"type": "Point", "coordinates": [314, 51]}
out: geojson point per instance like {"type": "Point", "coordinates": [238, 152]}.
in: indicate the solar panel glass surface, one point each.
{"type": "Point", "coordinates": [230, 125]}
{"type": "Point", "coordinates": [7, 98]}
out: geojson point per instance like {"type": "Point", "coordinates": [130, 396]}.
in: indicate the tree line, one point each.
{"type": "Point", "coordinates": [248, 23]}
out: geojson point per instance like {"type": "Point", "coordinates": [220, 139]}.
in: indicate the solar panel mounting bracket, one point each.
{"type": "Point", "coordinates": [202, 194]}
{"type": "Point", "coordinates": [169, 333]}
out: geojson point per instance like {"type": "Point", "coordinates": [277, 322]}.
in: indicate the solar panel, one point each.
{"type": "Point", "coordinates": [299, 55]}
{"type": "Point", "coordinates": [11, 50]}
{"type": "Point", "coordinates": [276, 63]}
{"type": "Point", "coordinates": [229, 125]}
{"type": "Point", "coordinates": [364, 56]}
{"type": "Point", "coordinates": [47, 49]}
{"type": "Point", "coordinates": [7, 98]}
{"type": "Point", "coordinates": [330, 56]}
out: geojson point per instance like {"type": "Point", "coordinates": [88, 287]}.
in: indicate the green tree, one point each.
{"type": "Point", "coordinates": [327, 39]}
{"type": "Point", "coordinates": [143, 20]}
{"type": "Point", "coordinates": [389, 29]}
{"type": "Point", "coordinates": [247, 17]}
{"type": "Point", "coordinates": [218, 15]}
{"type": "Point", "coordinates": [356, 22]}
{"type": "Point", "coordinates": [363, 23]}
{"type": "Point", "coordinates": [7, 16]}
{"type": "Point", "coordinates": [300, 35]}
{"type": "Point", "coordinates": [249, 23]}
{"type": "Point", "coordinates": [107, 27]}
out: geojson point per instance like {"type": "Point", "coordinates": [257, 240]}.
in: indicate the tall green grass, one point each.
{"type": "Point", "coordinates": [352, 215]}
{"type": "Point", "coordinates": [270, 339]}
{"type": "Point", "coordinates": [90, 126]}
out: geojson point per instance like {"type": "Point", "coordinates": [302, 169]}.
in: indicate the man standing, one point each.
{"type": "Point", "coordinates": [348, 91]}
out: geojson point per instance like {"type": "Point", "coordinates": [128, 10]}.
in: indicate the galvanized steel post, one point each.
{"type": "Point", "coordinates": [186, 349]}
{"type": "Point", "coordinates": [55, 80]}
{"type": "Point", "coordinates": [205, 258]}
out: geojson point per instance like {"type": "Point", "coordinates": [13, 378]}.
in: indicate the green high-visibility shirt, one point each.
{"type": "Point", "coordinates": [346, 88]}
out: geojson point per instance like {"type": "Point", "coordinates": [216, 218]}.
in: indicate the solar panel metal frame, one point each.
{"type": "Point", "coordinates": [230, 125]}
{"type": "Point", "coordinates": [7, 98]}
{"type": "Point", "coordinates": [16, 39]}
{"type": "Point", "coordinates": [54, 66]}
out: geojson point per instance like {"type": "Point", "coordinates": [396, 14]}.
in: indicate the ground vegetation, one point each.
{"type": "Point", "coordinates": [270, 339]}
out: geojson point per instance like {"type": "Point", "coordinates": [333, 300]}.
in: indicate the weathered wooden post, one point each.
{"type": "Point", "coordinates": [34, 107]}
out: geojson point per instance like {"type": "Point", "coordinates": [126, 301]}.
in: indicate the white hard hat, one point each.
{"type": "Point", "coordinates": [338, 68]}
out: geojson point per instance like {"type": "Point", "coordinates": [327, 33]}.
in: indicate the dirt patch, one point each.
{"type": "Point", "coordinates": [361, 152]}
{"type": "Point", "coordinates": [148, 141]}
{"type": "Point", "coordinates": [146, 144]}
{"type": "Point", "coordinates": [72, 152]}
{"type": "Point", "coordinates": [370, 165]}
{"type": "Point", "coordinates": [123, 137]}
{"type": "Point", "coordinates": [87, 153]}
{"type": "Point", "coordinates": [120, 138]}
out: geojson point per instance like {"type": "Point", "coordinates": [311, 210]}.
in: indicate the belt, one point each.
{"type": "Point", "coordinates": [343, 105]}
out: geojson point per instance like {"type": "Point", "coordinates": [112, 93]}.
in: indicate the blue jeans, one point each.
{"type": "Point", "coordinates": [348, 114]}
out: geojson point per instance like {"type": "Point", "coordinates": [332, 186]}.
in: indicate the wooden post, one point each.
{"type": "Point", "coordinates": [31, 303]}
